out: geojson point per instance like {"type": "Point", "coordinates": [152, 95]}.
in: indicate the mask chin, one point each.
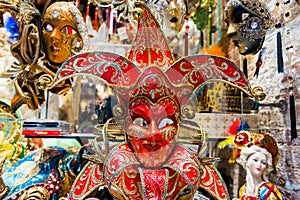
{"type": "Point", "coordinates": [155, 159]}
{"type": "Point", "coordinates": [152, 151]}
{"type": "Point", "coordinates": [252, 48]}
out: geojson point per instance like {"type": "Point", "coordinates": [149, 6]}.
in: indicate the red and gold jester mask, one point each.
{"type": "Point", "coordinates": [153, 89]}
{"type": "Point", "coordinates": [154, 114]}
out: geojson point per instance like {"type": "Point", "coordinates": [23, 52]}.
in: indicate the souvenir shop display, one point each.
{"type": "Point", "coordinates": [141, 112]}
{"type": "Point", "coordinates": [153, 92]}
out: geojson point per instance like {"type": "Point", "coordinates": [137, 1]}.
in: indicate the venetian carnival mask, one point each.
{"type": "Point", "coordinates": [153, 122]}
{"type": "Point", "coordinates": [175, 13]}
{"type": "Point", "coordinates": [64, 34]}
{"type": "Point", "coordinates": [63, 25]}
{"type": "Point", "coordinates": [153, 90]}
{"type": "Point", "coordinates": [248, 22]}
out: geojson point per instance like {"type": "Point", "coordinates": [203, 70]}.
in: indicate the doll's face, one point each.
{"type": "Point", "coordinates": [61, 38]}
{"type": "Point", "coordinates": [257, 163]}
{"type": "Point", "coordinates": [152, 133]}
{"type": "Point", "coordinates": [245, 28]}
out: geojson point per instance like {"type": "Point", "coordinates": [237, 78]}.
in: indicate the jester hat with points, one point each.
{"type": "Point", "coordinates": [149, 72]}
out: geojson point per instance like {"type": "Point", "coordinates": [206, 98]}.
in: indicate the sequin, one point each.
{"type": "Point", "coordinates": [55, 14]}
{"type": "Point", "coordinates": [254, 25]}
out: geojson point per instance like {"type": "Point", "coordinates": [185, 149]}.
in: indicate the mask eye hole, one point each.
{"type": "Point", "coordinates": [238, 15]}
{"type": "Point", "coordinates": [165, 122]}
{"type": "Point", "coordinates": [141, 122]}
{"type": "Point", "coordinates": [48, 27]}
{"type": "Point", "coordinates": [68, 30]}
{"type": "Point", "coordinates": [244, 16]}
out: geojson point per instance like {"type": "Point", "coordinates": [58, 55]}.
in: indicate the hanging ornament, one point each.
{"type": "Point", "coordinates": [292, 108]}
{"type": "Point", "coordinates": [260, 61]}
{"type": "Point", "coordinates": [279, 53]}
{"type": "Point", "coordinates": [209, 23]}
{"type": "Point", "coordinates": [290, 53]}
{"type": "Point", "coordinates": [280, 65]}
{"type": "Point", "coordinates": [96, 21]}
{"type": "Point", "coordinates": [245, 66]}
{"type": "Point", "coordinates": [186, 40]}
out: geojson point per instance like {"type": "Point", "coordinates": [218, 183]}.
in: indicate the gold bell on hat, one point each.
{"type": "Point", "coordinates": [3, 188]}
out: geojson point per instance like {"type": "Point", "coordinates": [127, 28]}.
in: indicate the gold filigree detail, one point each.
{"type": "Point", "coordinates": [35, 193]}
{"type": "Point", "coordinates": [258, 93]}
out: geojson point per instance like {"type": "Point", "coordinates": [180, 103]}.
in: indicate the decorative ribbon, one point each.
{"type": "Point", "coordinates": [96, 24]}
{"type": "Point", "coordinates": [279, 53]}
{"type": "Point", "coordinates": [260, 61]}
{"type": "Point", "coordinates": [292, 110]}
{"type": "Point", "coordinates": [186, 41]}
{"type": "Point", "coordinates": [245, 66]}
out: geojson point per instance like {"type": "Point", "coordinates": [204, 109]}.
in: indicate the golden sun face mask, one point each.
{"type": "Point", "coordinates": [63, 31]}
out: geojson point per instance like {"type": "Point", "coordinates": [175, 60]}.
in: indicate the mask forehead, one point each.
{"type": "Point", "coordinates": [164, 107]}
{"type": "Point", "coordinates": [152, 89]}
{"type": "Point", "coordinates": [59, 11]}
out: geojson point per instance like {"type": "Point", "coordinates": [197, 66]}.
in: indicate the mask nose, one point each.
{"type": "Point", "coordinates": [55, 34]}
{"type": "Point", "coordinates": [231, 31]}
{"type": "Point", "coordinates": [152, 128]}
{"type": "Point", "coordinates": [261, 164]}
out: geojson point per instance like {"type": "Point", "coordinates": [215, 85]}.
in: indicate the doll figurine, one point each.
{"type": "Point", "coordinates": [258, 155]}
{"type": "Point", "coordinates": [248, 22]}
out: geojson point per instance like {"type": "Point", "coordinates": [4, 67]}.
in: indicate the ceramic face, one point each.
{"type": "Point", "coordinates": [245, 28]}
{"type": "Point", "coordinates": [257, 164]}
{"type": "Point", "coordinates": [61, 36]}
{"type": "Point", "coordinates": [152, 132]}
